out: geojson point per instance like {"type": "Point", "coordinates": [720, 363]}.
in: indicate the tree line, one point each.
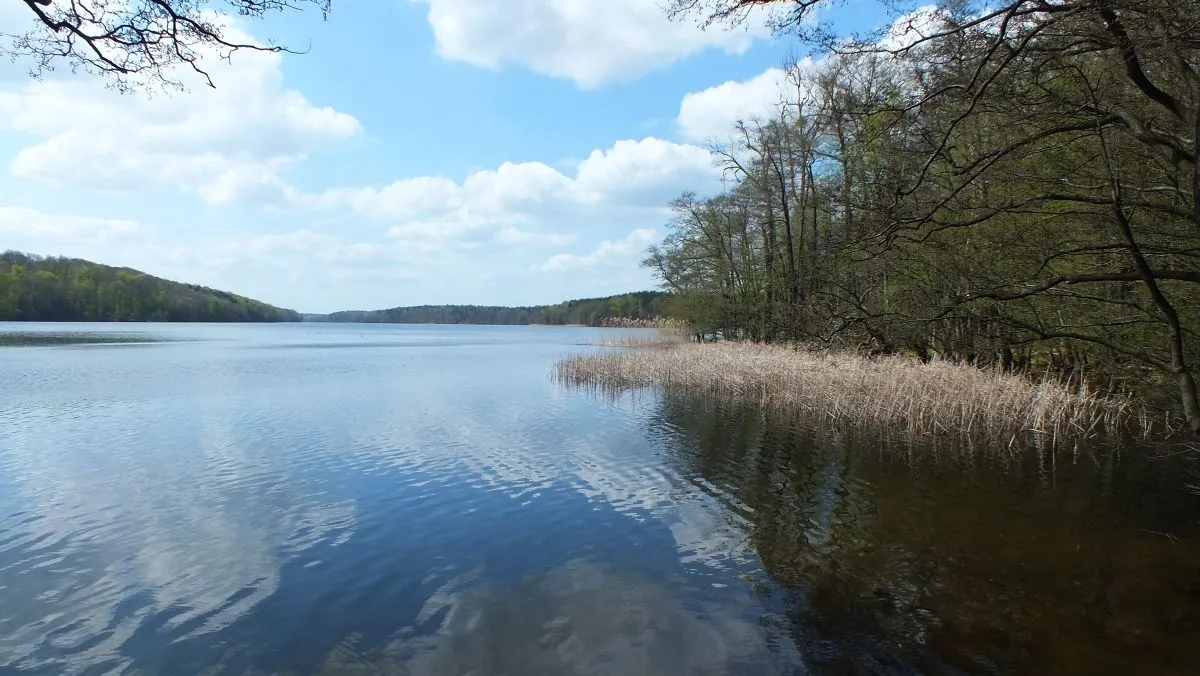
{"type": "Point", "coordinates": [1011, 185]}
{"type": "Point", "coordinates": [642, 305]}
{"type": "Point", "coordinates": [39, 288]}
{"type": "Point", "coordinates": [56, 289]}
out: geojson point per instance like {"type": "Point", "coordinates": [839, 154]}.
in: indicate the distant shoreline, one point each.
{"type": "Point", "coordinates": [37, 288]}
{"type": "Point", "coordinates": [136, 322]}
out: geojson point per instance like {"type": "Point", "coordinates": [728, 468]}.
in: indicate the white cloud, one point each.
{"type": "Point", "coordinates": [479, 238]}
{"type": "Point", "coordinates": [215, 260]}
{"type": "Point", "coordinates": [632, 180]}
{"type": "Point", "coordinates": [649, 172]}
{"type": "Point", "coordinates": [516, 187]}
{"type": "Point", "coordinates": [20, 226]}
{"type": "Point", "coordinates": [912, 27]}
{"type": "Point", "coordinates": [311, 269]}
{"type": "Point", "coordinates": [225, 144]}
{"type": "Point", "coordinates": [609, 251]}
{"type": "Point", "coordinates": [517, 237]}
{"type": "Point", "coordinates": [712, 113]}
{"type": "Point", "coordinates": [592, 42]}
{"type": "Point", "coordinates": [418, 197]}
{"type": "Point", "coordinates": [279, 250]}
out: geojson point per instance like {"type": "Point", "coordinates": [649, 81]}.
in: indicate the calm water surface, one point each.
{"type": "Point", "coordinates": [364, 499]}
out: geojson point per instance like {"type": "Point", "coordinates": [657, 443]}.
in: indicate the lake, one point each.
{"type": "Point", "coordinates": [366, 499]}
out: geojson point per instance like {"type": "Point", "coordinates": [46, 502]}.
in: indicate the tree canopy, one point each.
{"type": "Point", "coordinates": [33, 288]}
{"type": "Point", "coordinates": [642, 305]}
{"type": "Point", "coordinates": [1012, 184]}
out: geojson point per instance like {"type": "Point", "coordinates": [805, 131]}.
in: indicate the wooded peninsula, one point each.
{"type": "Point", "coordinates": [1015, 185]}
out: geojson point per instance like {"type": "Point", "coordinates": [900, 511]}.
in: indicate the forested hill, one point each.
{"type": "Point", "coordinates": [641, 305]}
{"type": "Point", "coordinates": [35, 288]}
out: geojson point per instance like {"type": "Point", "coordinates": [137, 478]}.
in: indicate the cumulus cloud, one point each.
{"type": "Point", "coordinates": [481, 238]}
{"type": "Point", "coordinates": [126, 242]}
{"type": "Point", "coordinates": [33, 229]}
{"type": "Point", "coordinates": [492, 223]}
{"type": "Point", "coordinates": [712, 113]}
{"type": "Point", "coordinates": [912, 27]}
{"type": "Point", "coordinates": [320, 270]}
{"type": "Point", "coordinates": [226, 144]}
{"type": "Point", "coordinates": [592, 42]}
{"type": "Point", "coordinates": [609, 251]}
{"type": "Point", "coordinates": [647, 172]}
{"type": "Point", "coordinates": [630, 180]}
{"type": "Point", "coordinates": [408, 198]}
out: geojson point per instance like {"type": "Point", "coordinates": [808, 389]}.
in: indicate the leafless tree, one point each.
{"type": "Point", "coordinates": [138, 42]}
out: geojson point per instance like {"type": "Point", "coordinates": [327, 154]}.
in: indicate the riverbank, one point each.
{"type": "Point", "coordinates": [895, 392]}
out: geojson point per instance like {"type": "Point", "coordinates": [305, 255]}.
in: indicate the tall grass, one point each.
{"type": "Point", "coordinates": [896, 392]}
{"type": "Point", "coordinates": [663, 336]}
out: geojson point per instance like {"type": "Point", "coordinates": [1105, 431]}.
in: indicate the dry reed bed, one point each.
{"type": "Point", "coordinates": [896, 392]}
{"type": "Point", "coordinates": [662, 337]}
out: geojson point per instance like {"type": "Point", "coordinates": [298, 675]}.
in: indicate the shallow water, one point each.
{"type": "Point", "coordinates": [346, 499]}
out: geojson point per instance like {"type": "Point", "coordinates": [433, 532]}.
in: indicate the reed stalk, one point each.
{"type": "Point", "coordinates": [896, 392]}
{"type": "Point", "coordinates": [663, 336]}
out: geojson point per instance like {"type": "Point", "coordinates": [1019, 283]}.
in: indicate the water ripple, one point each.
{"type": "Point", "coordinates": [207, 508]}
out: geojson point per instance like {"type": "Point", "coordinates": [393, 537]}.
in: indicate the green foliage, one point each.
{"type": "Point", "coordinates": [35, 288]}
{"type": "Point", "coordinates": [643, 305]}
{"type": "Point", "coordinates": [1019, 191]}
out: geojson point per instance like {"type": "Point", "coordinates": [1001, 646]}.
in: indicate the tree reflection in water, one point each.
{"type": "Point", "coordinates": [894, 557]}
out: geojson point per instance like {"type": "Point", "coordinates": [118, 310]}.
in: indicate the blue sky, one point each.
{"type": "Point", "coordinates": [421, 151]}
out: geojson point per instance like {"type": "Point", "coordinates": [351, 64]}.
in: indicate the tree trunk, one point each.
{"type": "Point", "coordinates": [1187, 382]}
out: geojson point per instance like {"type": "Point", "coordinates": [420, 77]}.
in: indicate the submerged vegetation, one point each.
{"type": "Point", "coordinates": [890, 392]}
{"type": "Point", "coordinates": [35, 288]}
{"type": "Point", "coordinates": [1009, 185]}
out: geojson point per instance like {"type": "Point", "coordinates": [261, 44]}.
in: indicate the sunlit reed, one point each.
{"type": "Point", "coordinates": [663, 336]}
{"type": "Point", "coordinates": [896, 392]}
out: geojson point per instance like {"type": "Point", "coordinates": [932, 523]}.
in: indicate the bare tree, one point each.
{"type": "Point", "coordinates": [136, 42]}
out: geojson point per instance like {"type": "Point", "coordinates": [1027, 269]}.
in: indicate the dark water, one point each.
{"type": "Point", "coordinates": [336, 499]}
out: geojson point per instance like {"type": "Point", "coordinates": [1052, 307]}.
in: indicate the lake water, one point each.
{"type": "Point", "coordinates": [366, 499]}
